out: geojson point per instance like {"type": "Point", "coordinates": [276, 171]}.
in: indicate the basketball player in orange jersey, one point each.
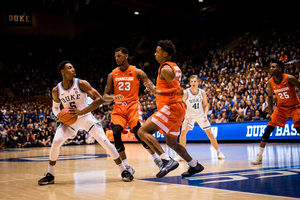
{"type": "Point", "coordinates": [171, 110]}
{"type": "Point", "coordinates": [73, 92]}
{"type": "Point", "coordinates": [125, 81]}
{"type": "Point", "coordinates": [283, 85]}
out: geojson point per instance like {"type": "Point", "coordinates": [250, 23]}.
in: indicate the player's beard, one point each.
{"type": "Point", "coordinates": [120, 63]}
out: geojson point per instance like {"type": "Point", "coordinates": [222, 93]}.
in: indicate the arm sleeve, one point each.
{"type": "Point", "coordinates": [175, 87]}
{"type": "Point", "coordinates": [55, 108]}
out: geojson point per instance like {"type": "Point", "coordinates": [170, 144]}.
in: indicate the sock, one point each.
{"type": "Point", "coordinates": [51, 169]}
{"type": "Point", "coordinates": [192, 163]}
{"type": "Point", "coordinates": [121, 167]}
{"type": "Point", "coordinates": [218, 150]}
{"type": "Point", "coordinates": [164, 156]}
{"type": "Point", "coordinates": [125, 162]}
{"type": "Point", "coordinates": [154, 156]}
{"type": "Point", "coordinates": [261, 150]}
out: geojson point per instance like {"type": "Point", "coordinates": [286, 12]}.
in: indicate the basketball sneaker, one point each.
{"type": "Point", "coordinates": [193, 170]}
{"type": "Point", "coordinates": [257, 160]}
{"type": "Point", "coordinates": [130, 169]}
{"type": "Point", "coordinates": [48, 179]}
{"type": "Point", "coordinates": [168, 165]}
{"type": "Point", "coordinates": [158, 162]}
{"type": "Point", "coordinates": [126, 176]}
{"type": "Point", "coordinates": [220, 155]}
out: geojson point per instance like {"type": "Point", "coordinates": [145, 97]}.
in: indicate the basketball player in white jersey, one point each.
{"type": "Point", "coordinates": [73, 92]}
{"type": "Point", "coordinates": [196, 111]}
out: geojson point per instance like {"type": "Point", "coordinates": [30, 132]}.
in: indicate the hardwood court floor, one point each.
{"type": "Point", "coordinates": [85, 172]}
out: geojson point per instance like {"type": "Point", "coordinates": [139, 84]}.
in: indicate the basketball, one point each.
{"type": "Point", "coordinates": [66, 117]}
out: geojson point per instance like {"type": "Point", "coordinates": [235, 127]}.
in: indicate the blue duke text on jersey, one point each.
{"type": "Point", "coordinates": [72, 97]}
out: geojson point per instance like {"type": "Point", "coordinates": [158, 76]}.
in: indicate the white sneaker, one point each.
{"type": "Point", "coordinates": [178, 159]}
{"type": "Point", "coordinates": [257, 160]}
{"type": "Point", "coordinates": [220, 155]}
{"type": "Point", "coordinates": [130, 169]}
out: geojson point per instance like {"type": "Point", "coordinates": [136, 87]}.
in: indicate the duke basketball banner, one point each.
{"type": "Point", "coordinates": [240, 131]}
{"type": "Point", "coordinates": [229, 131]}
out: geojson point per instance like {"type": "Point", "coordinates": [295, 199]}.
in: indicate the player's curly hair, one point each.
{"type": "Point", "coordinates": [167, 46]}
{"type": "Point", "coordinates": [61, 65]}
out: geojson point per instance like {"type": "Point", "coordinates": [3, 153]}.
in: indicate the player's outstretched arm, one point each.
{"type": "Point", "coordinates": [205, 103]}
{"type": "Point", "coordinates": [270, 98]}
{"type": "Point", "coordinates": [294, 81]}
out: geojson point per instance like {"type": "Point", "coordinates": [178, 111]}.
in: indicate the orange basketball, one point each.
{"type": "Point", "coordinates": [66, 117]}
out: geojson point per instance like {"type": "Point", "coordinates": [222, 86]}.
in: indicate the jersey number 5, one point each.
{"type": "Point", "coordinates": [124, 86]}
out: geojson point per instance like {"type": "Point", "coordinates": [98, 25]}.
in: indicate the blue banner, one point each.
{"type": "Point", "coordinates": [240, 131]}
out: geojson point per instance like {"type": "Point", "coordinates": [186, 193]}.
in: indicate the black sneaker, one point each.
{"type": "Point", "coordinates": [193, 170]}
{"type": "Point", "coordinates": [126, 176]}
{"type": "Point", "coordinates": [168, 165]}
{"type": "Point", "coordinates": [48, 179]}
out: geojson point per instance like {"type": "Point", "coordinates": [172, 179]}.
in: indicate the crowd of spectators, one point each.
{"type": "Point", "coordinates": [235, 80]}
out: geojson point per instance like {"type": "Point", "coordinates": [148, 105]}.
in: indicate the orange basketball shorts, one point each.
{"type": "Point", "coordinates": [282, 114]}
{"type": "Point", "coordinates": [169, 119]}
{"type": "Point", "coordinates": [126, 113]}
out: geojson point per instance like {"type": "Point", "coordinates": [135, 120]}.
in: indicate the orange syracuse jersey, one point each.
{"type": "Point", "coordinates": [126, 83]}
{"type": "Point", "coordinates": [285, 93]}
{"type": "Point", "coordinates": [162, 84]}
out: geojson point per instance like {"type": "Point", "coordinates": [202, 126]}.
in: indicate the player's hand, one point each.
{"type": "Point", "coordinates": [118, 97]}
{"type": "Point", "coordinates": [205, 119]}
{"type": "Point", "coordinates": [150, 88]}
{"type": "Point", "coordinates": [75, 111]}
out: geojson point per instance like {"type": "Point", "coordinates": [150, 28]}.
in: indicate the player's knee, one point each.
{"type": "Point", "coordinates": [267, 133]}
{"type": "Point", "coordinates": [209, 133]}
{"type": "Point", "coordinates": [141, 133]}
{"type": "Point", "coordinates": [57, 142]}
{"type": "Point", "coordinates": [117, 130]}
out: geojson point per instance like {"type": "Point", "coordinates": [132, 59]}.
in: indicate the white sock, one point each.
{"type": "Point", "coordinates": [218, 150]}
{"type": "Point", "coordinates": [164, 156]}
{"type": "Point", "coordinates": [121, 167]}
{"type": "Point", "coordinates": [261, 150]}
{"type": "Point", "coordinates": [125, 162]}
{"type": "Point", "coordinates": [51, 169]}
{"type": "Point", "coordinates": [154, 156]}
{"type": "Point", "coordinates": [192, 163]}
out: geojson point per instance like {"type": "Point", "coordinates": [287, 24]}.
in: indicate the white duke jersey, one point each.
{"type": "Point", "coordinates": [194, 103]}
{"type": "Point", "coordinates": [72, 97]}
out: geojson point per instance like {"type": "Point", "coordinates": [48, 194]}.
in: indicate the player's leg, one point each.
{"type": "Point", "coordinates": [97, 132]}
{"type": "Point", "coordinates": [182, 137]}
{"type": "Point", "coordinates": [135, 120]}
{"type": "Point", "coordinates": [214, 142]}
{"type": "Point", "coordinates": [62, 133]}
{"type": "Point", "coordinates": [145, 133]}
{"type": "Point", "coordinates": [195, 167]}
{"type": "Point", "coordinates": [118, 122]}
{"type": "Point", "coordinates": [156, 159]}
{"type": "Point", "coordinates": [263, 142]}
{"type": "Point", "coordinates": [185, 129]}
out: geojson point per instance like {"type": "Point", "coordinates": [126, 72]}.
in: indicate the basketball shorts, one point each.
{"type": "Point", "coordinates": [282, 114]}
{"type": "Point", "coordinates": [85, 122]}
{"type": "Point", "coordinates": [126, 113]}
{"type": "Point", "coordinates": [201, 120]}
{"type": "Point", "coordinates": [169, 119]}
